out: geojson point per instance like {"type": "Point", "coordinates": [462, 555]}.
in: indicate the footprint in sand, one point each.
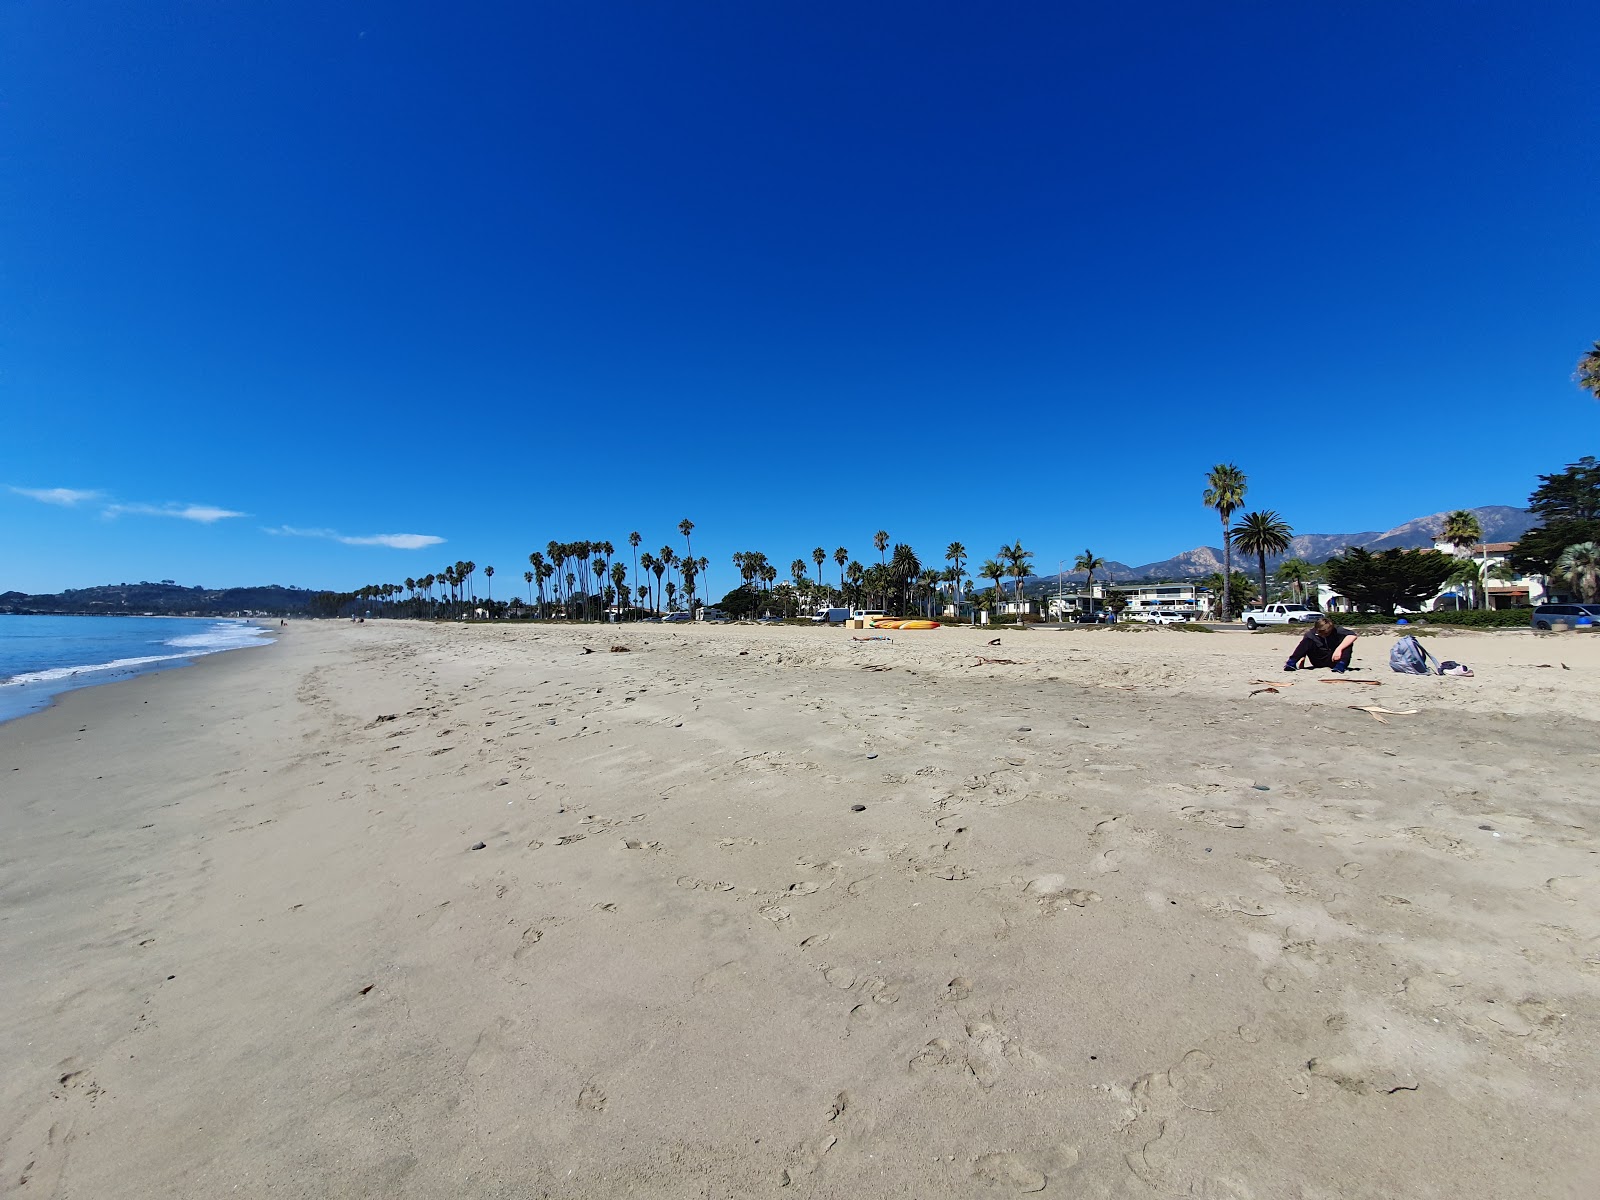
{"type": "Point", "coordinates": [530, 939]}
{"type": "Point", "coordinates": [1024, 1173]}
{"type": "Point", "coordinates": [591, 1098]}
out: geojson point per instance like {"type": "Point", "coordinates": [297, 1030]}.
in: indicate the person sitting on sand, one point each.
{"type": "Point", "coordinates": [1325, 646]}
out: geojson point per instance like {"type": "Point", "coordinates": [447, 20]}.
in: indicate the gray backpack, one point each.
{"type": "Point", "coordinates": [1410, 657]}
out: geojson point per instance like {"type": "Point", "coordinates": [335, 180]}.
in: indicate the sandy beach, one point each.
{"type": "Point", "coordinates": [439, 911]}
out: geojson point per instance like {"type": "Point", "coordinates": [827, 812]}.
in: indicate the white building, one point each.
{"type": "Point", "coordinates": [1504, 588]}
{"type": "Point", "coordinates": [1188, 600]}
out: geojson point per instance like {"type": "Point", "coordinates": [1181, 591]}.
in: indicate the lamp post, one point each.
{"type": "Point", "coordinates": [1061, 588]}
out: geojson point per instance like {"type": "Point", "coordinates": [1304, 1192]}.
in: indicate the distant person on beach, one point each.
{"type": "Point", "coordinates": [1325, 646]}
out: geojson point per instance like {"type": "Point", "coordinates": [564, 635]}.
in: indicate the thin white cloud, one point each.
{"type": "Point", "coordinates": [205, 514]}
{"type": "Point", "coordinates": [395, 541]}
{"type": "Point", "coordinates": [66, 497]}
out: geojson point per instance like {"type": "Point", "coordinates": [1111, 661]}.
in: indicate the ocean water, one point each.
{"type": "Point", "coordinates": [41, 657]}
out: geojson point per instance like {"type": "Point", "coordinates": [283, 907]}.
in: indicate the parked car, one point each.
{"type": "Point", "coordinates": [674, 618]}
{"type": "Point", "coordinates": [1279, 614]}
{"type": "Point", "coordinates": [1098, 617]}
{"type": "Point", "coordinates": [1158, 617]}
{"type": "Point", "coordinates": [1547, 615]}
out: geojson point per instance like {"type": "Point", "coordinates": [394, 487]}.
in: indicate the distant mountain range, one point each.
{"type": "Point", "coordinates": [1500, 524]}
{"type": "Point", "coordinates": [165, 599]}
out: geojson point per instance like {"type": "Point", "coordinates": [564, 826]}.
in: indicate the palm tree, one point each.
{"type": "Point", "coordinates": [689, 568]}
{"type": "Point", "coordinates": [855, 573]}
{"type": "Point", "coordinates": [1298, 574]}
{"type": "Point", "coordinates": [633, 540]}
{"type": "Point", "coordinates": [819, 556]}
{"type": "Point", "coordinates": [1088, 562]}
{"type": "Point", "coordinates": [488, 575]}
{"type": "Point", "coordinates": [686, 527]}
{"type": "Point", "coordinates": [799, 570]}
{"type": "Point", "coordinates": [527, 578]}
{"type": "Point", "coordinates": [1462, 531]}
{"type": "Point", "coordinates": [619, 576]}
{"type": "Point", "coordinates": [956, 554]}
{"type": "Point", "coordinates": [994, 573]}
{"type": "Point", "coordinates": [1465, 571]}
{"type": "Point", "coordinates": [1579, 565]}
{"type": "Point", "coordinates": [840, 557]}
{"type": "Point", "coordinates": [881, 541]}
{"type": "Point", "coordinates": [1224, 492]}
{"type": "Point", "coordinates": [648, 562]}
{"type": "Point", "coordinates": [658, 567]}
{"type": "Point", "coordinates": [1019, 565]}
{"type": "Point", "coordinates": [1261, 533]}
{"type": "Point", "coordinates": [1587, 375]}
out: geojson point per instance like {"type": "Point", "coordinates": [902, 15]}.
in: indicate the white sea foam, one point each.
{"type": "Point", "coordinates": [224, 635]}
{"type": "Point", "coordinates": [119, 664]}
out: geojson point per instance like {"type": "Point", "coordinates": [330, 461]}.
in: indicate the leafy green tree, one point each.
{"type": "Point", "coordinates": [1390, 580]}
{"type": "Point", "coordinates": [1568, 507]}
{"type": "Point", "coordinates": [1262, 533]}
{"type": "Point", "coordinates": [1225, 489]}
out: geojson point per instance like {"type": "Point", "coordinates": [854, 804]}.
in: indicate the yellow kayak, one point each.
{"type": "Point", "coordinates": [893, 624]}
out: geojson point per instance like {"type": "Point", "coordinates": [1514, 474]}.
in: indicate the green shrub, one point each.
{"type": "Point", "coordinates": [1190, 627]}
{"type": "Point", "coordinates": [1494, 618]}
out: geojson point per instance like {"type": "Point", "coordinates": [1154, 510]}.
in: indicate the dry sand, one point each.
{"type": "Point", "coordinates": [1107, 925]}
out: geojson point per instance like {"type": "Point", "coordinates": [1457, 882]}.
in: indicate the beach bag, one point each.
{"type": "Point", "coordinates": [1409, 657]}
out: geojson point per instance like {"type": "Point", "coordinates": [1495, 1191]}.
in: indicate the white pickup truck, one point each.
{"type": "Point", "coordinates": [1279, 614]}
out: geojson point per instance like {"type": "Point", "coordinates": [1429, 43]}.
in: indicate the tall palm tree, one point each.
{"type": "Point", "coordinates": [658, 568]}
{"type": "Point", "coordinates": [648, 562]}
{"type": "Point", "coordinates": [633, 540]}
{"type": "Point", "coordinates": [956, 554]}
{"type": "Point", "coordinates": [1089, 562]}
{"type": "Point", "coordinates": [488, 575]}
{"type": "Point", "coordinates": [702, 565]}
{"type": "Point", "coordinates": [1019, 565]}
{"type": "Point", "coordinates": [686, 527]}
{"type": "Point", "coordinates": [1225, 489]}
{"type": "Point", "coordinates": [1587, 375]}
{"type": "Point", "coordinates": [527, 578]}
{"type": "Point", "coordinates": [840, 557]}
{"type": "Point", "coordinates": [1579, 565]}
{"type": "Point", "coordinates": [799, 571]}
{"type": "Point", "coordinates": [1465, 571]}
{"type": "Point", "coordinates": [819, 556]}
{"type": "Point", "coordinates": [881, 541]}
{"type": "Point", "coordinates": [1261, 533]}
{"type": "Point", "coordinates": [855, 573]}
{"type": "Point", "coordinates": [619, 577]}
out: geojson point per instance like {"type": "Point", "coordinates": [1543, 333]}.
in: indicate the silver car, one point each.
{"type": "Point", "coordinates": [1547, 615]}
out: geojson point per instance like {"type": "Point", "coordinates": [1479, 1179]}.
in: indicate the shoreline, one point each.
{"type": "Point", "coordinates": [420, 909]}
{"type": "Point", "coordinates": [36, 696]}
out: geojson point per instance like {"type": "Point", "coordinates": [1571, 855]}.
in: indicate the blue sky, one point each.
{"type": "Point", "coordinates": [496, 274]}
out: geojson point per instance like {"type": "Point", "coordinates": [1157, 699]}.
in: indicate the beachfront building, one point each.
{"type": "Point", "coordinates": [1188, 600]}
{"type": "Point", "coordinates": [1063, 603]}
{"type": "Point", "coordinates": [1503, 586]}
